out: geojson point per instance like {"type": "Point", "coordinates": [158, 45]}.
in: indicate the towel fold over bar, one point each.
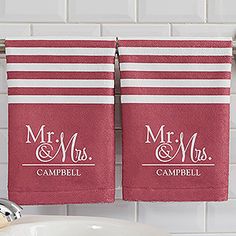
{"type": "Point", "coordinates": [2, 47]}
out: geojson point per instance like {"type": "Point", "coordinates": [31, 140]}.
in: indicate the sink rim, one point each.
{"type": "Point", "coordinates": [49, 220]}
{"type": "Point", "coordinates": [34, 219]}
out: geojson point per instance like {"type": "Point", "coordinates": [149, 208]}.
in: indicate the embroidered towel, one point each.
{"type": "Point", "coordinates": [61, 120]}
{"type": "Point", "coordinates": [175, 96]}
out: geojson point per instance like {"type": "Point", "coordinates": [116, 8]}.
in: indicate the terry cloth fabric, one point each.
{"type": "Point", "coordinates": [61, 120]}
{"type": "Point", "coordinates": [175, 96]}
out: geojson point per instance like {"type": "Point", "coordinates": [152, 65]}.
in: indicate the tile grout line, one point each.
{"type": "Point", "coordinates": [101, 29]}
{"type": "Point", "coordinates": [66, 11]}
{"type": "Point", "coordinates": [205, 234]}
{"type": "Point", "coordinates": [205, 217]}
{"type": "Point", "coordinates": [136, 212]}
{"type": "Point", "coordinates": [31, 29]}
{"type": "Point", "coordinates": [171, 29]}
{"type": "Point", "coordinates": [136, 11]}
{"type": "Point", "coordinates": [206, 11]}
{"type": "Point", "coordinates": [119, 23]}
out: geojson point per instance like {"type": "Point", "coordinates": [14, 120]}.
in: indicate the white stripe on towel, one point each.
{"type": "Point", "coordinates": [174, 67]}
{"type": "Point", "coordinates": [49, 99]}
{"type": "Point", "coordinates": [177, 83]}
{"type": "Point", "coordinates": [60, 51]}
{"type": "Point", "coordinates": [178, 51]}
{"type": "Point", "coordinates": [175, 38]}
{"type": "Point", "coordinates": [175, 99]}
{"type": "Point", "coordinates": [76, 38]}
{"type": "Point", "coordinates": [70, 67]}
{"type": "Point", "coordinates": [46, 83]}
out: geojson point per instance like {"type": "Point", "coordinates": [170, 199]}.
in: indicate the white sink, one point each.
{"type": "Point", "coordinates": [77, 226]}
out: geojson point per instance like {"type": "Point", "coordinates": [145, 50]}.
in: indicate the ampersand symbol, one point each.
{"type": "Point", "coordinates": [163, 152]}
{"type": "Point", "coordinates": [43, 152]}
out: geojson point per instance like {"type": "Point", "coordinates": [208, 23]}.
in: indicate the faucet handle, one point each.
{"type": "Point", "coordinates": [10, 210]}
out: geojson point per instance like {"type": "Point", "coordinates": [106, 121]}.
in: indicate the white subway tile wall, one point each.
{"type": "Point", "coordinates": [137, 30]}
{"type": "Point", "coordinates": [232, 146]}
{"type": "Point", "coordinates": [206, 30]}
{"type": "Point", "coordinates": [128, 18]}
{"type": "Point", "coordinates": [32, 11]}
{"type": "Point", "coordinates": [66, 29]}
{"type": "Point", "coordinates": [171, 11]}
{"type": "Point", "coordinates": [221, 216]}
{"type": "Point", "coordinates": [14, 29]}
{"type": "Point", "coordinates": [232, 182]}
{"type": "Point", "coordinates": [176, 216]}
{"type": "Point", "coordinates": [221, 11]}
{"type": "Point", "coordinates": [3, 112]}
{"type": "Point", "coordinates": [46, 210]}
{"type": "Point", "coordinates": [119, 210]}
{"type": "Point", "coordinates": [101, 11]}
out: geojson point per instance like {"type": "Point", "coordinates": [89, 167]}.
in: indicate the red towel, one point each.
{"type": "Point", "coordinates": [175, 96]}
{"type": "Point", "coordinates": [61, 120]}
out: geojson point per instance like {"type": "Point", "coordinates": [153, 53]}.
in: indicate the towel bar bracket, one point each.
{"type": "Point", "coordinates": [2, 46]}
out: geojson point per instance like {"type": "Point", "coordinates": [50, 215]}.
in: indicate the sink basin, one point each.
{"type": "Point", "coordinates": [77, 226]}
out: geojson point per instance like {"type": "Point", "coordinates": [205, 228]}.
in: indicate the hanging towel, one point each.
{"type": "Point", "coordinates": [61, 120]}
{"type": "Point", "coordinates": [175, 96]}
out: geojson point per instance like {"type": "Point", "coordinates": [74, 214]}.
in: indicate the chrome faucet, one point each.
{"type": "Point", "coordinates": [9, 211]}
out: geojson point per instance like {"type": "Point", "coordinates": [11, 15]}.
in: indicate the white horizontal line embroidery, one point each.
{"type": "Point", "coordinates": [178, 165]}
{"type": "Point", "coordinates": [32, 165]}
